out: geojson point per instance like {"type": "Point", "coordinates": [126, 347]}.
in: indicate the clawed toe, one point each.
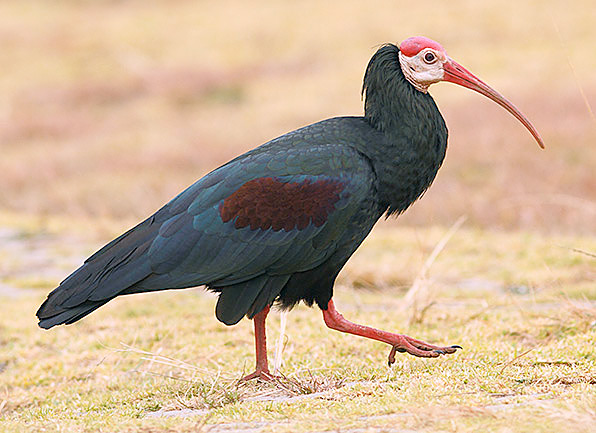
{"type": "Point", "coordinates": [420, 349]}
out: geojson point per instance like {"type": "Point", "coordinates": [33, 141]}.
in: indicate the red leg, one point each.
{"type": "Point", "coordinates": [400, 343]}
{"type": "Point", "coordinates": [262, 368]}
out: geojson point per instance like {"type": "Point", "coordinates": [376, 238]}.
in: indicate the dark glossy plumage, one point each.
{"type": "Point", "coordinates": [279, 222]}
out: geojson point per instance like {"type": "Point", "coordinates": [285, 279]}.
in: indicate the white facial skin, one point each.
{"type": "Point", "coordinates": [423, 69]}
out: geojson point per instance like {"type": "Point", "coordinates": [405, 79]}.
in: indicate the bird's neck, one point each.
{"type": "Point", "coordinates": [414, 131]}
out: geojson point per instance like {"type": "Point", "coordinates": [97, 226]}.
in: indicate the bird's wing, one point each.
{"type": "Point", "coordinates": [265, 214]}
{"type": "Point", "coordinates": [275, 211]}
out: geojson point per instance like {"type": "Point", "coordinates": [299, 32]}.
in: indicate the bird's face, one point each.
{"type": "Point", "coordinates": [425, 62]}
{"type": "Point", "coordinates": [422, 61]}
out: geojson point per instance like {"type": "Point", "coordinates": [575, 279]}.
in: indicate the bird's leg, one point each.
{"type": "Point", "coordinates": [400, 343]}
{"type": "Point", "coordinates": [262, 369]}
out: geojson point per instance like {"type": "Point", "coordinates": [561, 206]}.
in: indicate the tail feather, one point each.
{"type": "Point", "coordinates": [106, 274]}
{"type": "Point", "coordinates": [49, 319]}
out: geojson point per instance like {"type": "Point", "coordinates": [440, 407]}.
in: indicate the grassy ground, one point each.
{"type": "Point", "coordinates": [109, 108]}
{"type": "Point", "coordinates": [523, 307]}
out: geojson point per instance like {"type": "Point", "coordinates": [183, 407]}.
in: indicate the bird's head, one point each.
{"type": "Point", "coordinates": [425, 62]}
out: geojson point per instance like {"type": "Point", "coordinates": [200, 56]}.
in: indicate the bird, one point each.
{"type": "Point", "coordinates": [275, 225]}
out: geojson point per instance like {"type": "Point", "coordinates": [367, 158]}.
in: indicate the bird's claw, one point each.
{"type": "Point", "coordinates": [391, 359]}
{"type": "Point", "coordinates": [420, 349]}
{"type": "Point", "coordinates": [260, 375]}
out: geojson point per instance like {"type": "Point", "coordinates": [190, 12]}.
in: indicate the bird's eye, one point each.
{"type": "Point", "coordinates": [430, 57]}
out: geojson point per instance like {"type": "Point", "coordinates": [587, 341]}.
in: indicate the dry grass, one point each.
{"type": "Point", "coordinates": [110, 108]}
{"type": "Point", "coordinates": [521, 305]}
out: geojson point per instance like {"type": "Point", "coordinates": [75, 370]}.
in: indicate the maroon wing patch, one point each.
{"type": "Point", "coordinates": [268, 202]}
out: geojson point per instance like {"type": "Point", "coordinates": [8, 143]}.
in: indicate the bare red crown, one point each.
{"type": "Point", "coordinates": [412, 46]}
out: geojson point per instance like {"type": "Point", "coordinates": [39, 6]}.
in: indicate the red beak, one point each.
{"type": "Point", "coordinates": [456, 73]}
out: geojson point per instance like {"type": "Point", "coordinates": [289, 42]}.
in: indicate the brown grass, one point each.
{"type": "Point", "coordinates": [111, 108]}
{"type": "Point", "coordinates": [521, 305]}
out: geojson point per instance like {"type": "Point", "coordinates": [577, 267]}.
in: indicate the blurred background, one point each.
{"type": "Point", "coordinates": [110, 108]}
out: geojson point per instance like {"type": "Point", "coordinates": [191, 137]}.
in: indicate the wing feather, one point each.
{"type": "Point", "coordinates": [250, 256]}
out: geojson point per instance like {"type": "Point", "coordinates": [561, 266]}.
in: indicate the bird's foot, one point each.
{"type": "Point", "coordinates": [398, 342]}
{"type": "Point", "coordinates": [418, 348]}
{"type": "Point", "coordinates": [259, 374]}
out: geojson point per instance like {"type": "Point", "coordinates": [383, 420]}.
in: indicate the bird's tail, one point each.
{"type": "Point", "coordinates": [51, 314]}
{"type": "Point", "coordinates": [113, 270]}
{"type": "Point", "coordinates": [91, 286]}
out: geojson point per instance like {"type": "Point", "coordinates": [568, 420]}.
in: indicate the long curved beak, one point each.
{"type": "Point", "coordinates": [456, 73]}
